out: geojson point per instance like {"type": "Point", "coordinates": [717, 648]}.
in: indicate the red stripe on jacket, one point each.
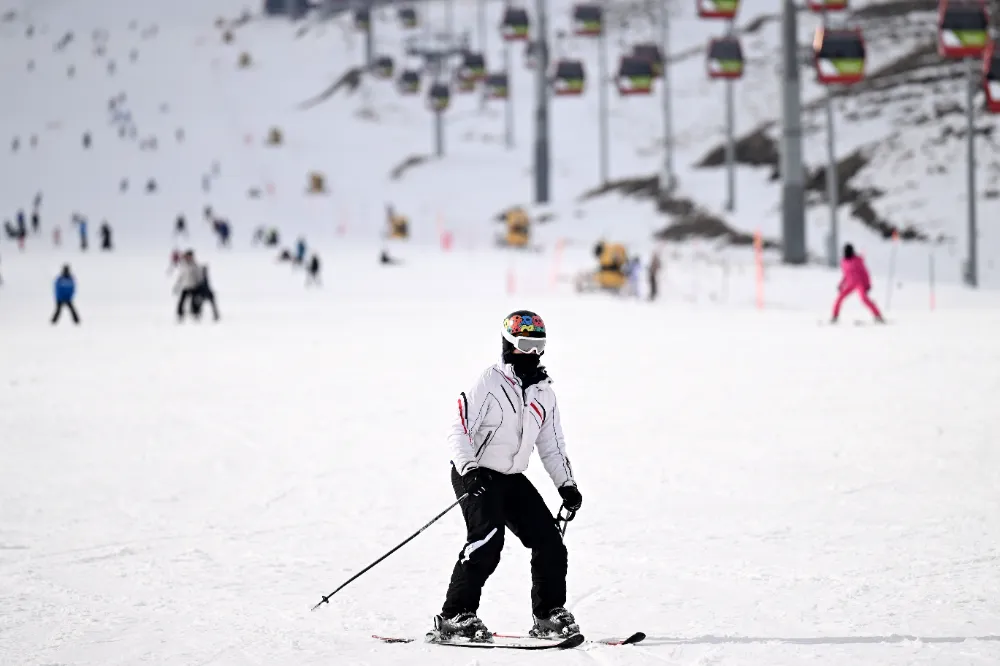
{"type": "Point", "coordinates": [461, 417]}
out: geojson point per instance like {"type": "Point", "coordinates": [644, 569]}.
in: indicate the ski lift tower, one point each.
{"type": "Point", "coordinates": [437, 52]}
{"type": "Point", "coordinates": [793, 206]}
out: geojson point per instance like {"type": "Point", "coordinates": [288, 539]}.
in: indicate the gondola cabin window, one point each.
{"type": "Point", "coordinates": [588, 20]}
{"type": "Point", "coordinates": [384, 67]}
{"type": "Point", "coordinates": [362, 19]}
{"type": "Point", "coordinates": [635, 76]}
{"type": "Point", "coordinates": [439, 97]}
{"type": "Point", "coordinates": [409, 82]}
{"type": "Point", "coordinates": [725, 58]}
{"type": "Point", "coordinates": [474, 65]}
{"type": "Point", "coordinates": [839, 55]}
{"type": "Point", "coordinates": [408, 17]}
{"type": "Point", "coordinates": [496, 86]}
{"type": "Point", "coordinates": [653, 54]}
{"type": "Point", "coordinates": [963, 28]}
{"type": "Point", "coordinates": [569, 77]}
{"type": "Point", "coordinates": [515, 26]}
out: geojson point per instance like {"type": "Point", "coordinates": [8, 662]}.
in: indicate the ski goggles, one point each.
{"type": "Point", "coordinates": [523, 344]}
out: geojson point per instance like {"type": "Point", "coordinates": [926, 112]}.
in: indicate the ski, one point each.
{"type": "Point", "coordinates": [504, 642]}
{"type": "Point", "coordinates": [521, 642]}
{"type": "Point", "coordinates": [637, 637]}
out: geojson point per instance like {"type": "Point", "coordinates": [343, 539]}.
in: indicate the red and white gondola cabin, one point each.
{"type": "Point", "coordinates": [963, 28]}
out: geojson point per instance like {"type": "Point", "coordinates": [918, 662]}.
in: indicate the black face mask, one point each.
{"type": "Point", "coordinates": [527, 367]}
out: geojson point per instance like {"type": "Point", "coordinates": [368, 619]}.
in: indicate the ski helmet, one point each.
{"type": "Point", "coordinates": [525, 331]}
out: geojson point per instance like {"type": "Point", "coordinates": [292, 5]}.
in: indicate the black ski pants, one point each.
{"type": "Point", "coordinates": [69, 306]}
{"type": "Point", "coordinates": [511, 502]}
{"type": "Point", "coordinates": [201, 295]}
{"type": "Point", "coordinates": [186, 295]}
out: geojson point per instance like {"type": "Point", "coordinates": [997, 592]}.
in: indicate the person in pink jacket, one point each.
{"type": "Point", "coordinates": [855, 278]}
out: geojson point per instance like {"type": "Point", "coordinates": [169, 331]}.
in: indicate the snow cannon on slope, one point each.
{"type": "Point", "coordinates": [518, 231]}
{"type": "Point", "coordinates": [611, 275]}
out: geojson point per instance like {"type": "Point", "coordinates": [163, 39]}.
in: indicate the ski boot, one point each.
{"type": "Point", "coordinates": [465, 625]}
{"type": "Point", "coordinates": [560, 623]}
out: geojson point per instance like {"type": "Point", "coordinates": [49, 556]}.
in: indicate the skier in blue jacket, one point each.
{"type": "Point", "coordinates": [81, 224]}
{"type": "Point", "coordinates": [65, 289]}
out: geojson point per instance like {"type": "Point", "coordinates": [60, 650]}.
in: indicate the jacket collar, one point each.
{"type": "Point", "coordinates": [507, 370]}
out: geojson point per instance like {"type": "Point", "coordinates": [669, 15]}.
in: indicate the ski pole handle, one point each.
{"type": "Point", "coordinates": [563, 519]}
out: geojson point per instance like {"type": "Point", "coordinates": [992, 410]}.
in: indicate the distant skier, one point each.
{"type": "Point", "coordinates": [180, 226]}
{"type": "Point", "coordinates": [187, 282]}
{"type": "Point", "coordinates": [510, 410]}
{"type": "Point", "coordinates": [268, 237]}
{"type": "Point", "coordinates": [222, 231]}
{"type": "Point", "coordinates": [633, 270]}
{"type": "Point", "coordinates": [65, 290]}
{"type": "Point", "coordinates": [14, 234]}
{"type": "Point", "coordinates": [312, 271]}
{"type": "Point", "coordinates": [175, 260]}
{"type": "Point", "coordinates": [855, 278]}
{"type": "Point", "coordinates": [81, 224]}
{"type": "Point", "coordinates": [106, 243]}
{"type": "Point", "coordinates": [300, 250]}
{"type": "Point", "coordinates": [36, 222]}
{"type": "Point", "coordinates": [22, 230]}
{"type": "Point", "coordinates": [202, 293]}
{"type": "Point", "coordinates": [654, 272]}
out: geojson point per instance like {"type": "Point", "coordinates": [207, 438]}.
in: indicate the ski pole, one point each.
{"type": "Point", "coordinates": [562, 520]}
{"type": "Point", "coordinates": [326, 598]}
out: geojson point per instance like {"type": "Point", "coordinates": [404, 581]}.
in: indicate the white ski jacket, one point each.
{"type": "Point", "coordinates": [499, 423]}
{"type": "Point", "coordinates": [188, 278]}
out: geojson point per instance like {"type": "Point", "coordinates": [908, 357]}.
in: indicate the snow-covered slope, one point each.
{"type": "Point", "coordinates": [186, 77]}
{"type": "Point", "coordinates": [758, 489]}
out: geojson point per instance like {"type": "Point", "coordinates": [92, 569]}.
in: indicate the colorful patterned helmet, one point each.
{"type": "Point", "coordinates": [525, 331]}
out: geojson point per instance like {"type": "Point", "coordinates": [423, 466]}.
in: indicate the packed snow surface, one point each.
{"type": "Point", "coordinates": [760, 488]}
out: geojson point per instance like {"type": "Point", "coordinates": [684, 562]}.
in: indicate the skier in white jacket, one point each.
{"type": "Point", "coordinates": [188, 278]}
{"type": "Point", "coordinates": [510, 410]}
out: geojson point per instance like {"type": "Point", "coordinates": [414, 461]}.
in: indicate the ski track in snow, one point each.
{"type": "Point", "coordinates": [759, 490]}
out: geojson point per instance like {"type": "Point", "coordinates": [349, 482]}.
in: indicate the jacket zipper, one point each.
{"type": "Point", "coordinates": [524, 408]}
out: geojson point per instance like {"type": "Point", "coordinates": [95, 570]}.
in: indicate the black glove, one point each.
{"type": "Point", "coordinates": [572, 499]}
{"type": "Point", "coordinates": [476, 481]}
